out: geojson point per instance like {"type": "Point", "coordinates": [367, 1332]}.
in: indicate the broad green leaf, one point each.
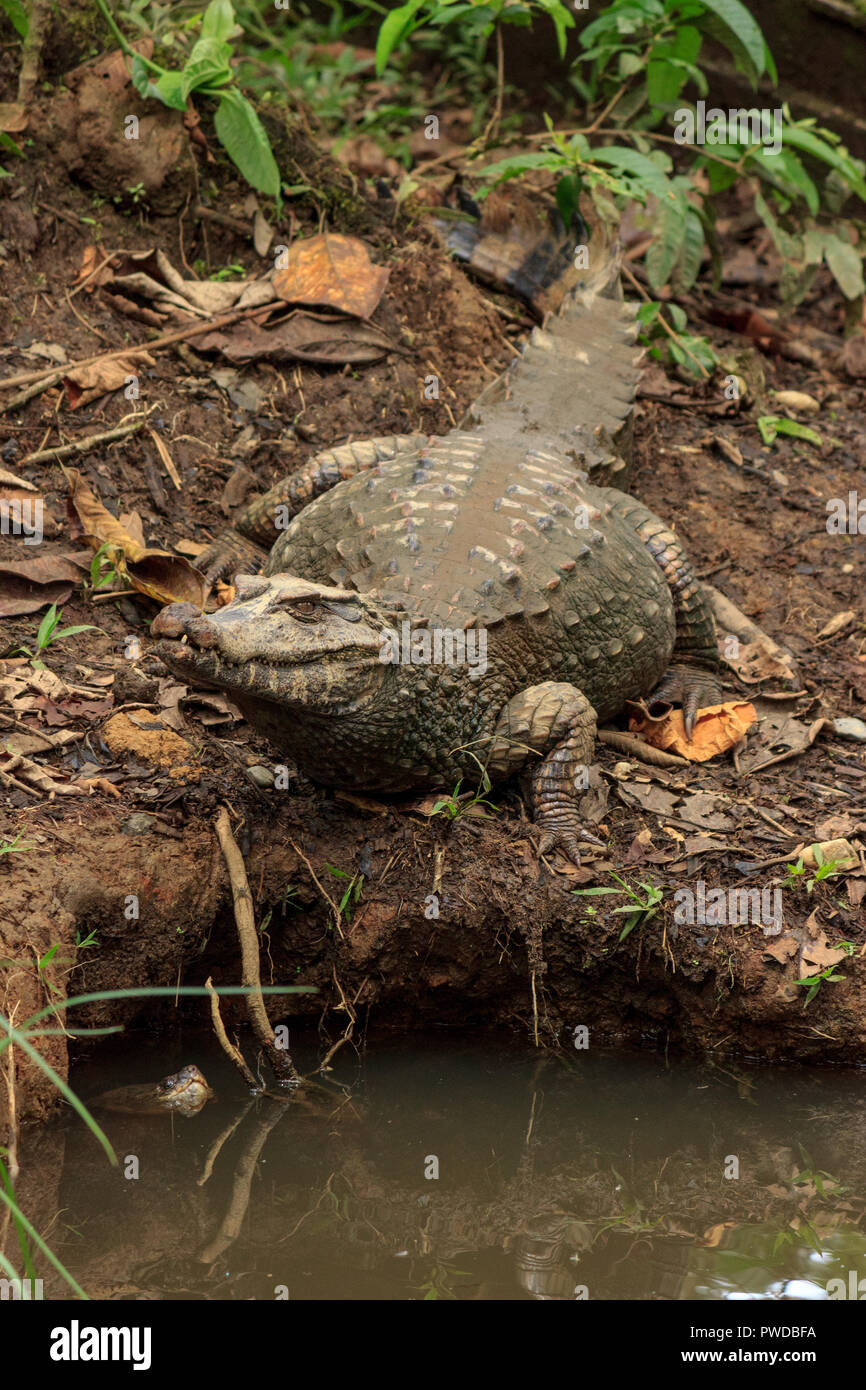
{"type": "Point", "coordinates": [170, 90]}
{"type": "Point", "coordinates": [568, 198]}
{"type": "Point", "coordinates": [688, 267]}
{"type": "Point", "coordinates": [785, 171]}
{"type": "Point", "coordinates": [744, 27]}
{"type": "Point", "coordinates": [805, 140]}
{"type": "Point", "coordinates": [207, 65]}
{"type": "Point", "coordinates": [140, 77]}
{"type": "Point", "coordinates": [16, 14]}
{"type": "Point", "coordinates": [664, 250]}
{"type": "Point", "coordinates": [394, 28]}
{"type": "Point", "coordinates": [243, 136]}
{"type": "Point", "coordinates": [218, 21]}
{"type": "Point", "coordinates": [845, 264]}
{"type": "Point", "coordinates": [639, 166]}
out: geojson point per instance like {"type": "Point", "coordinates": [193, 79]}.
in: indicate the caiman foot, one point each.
{"type": "Point", "coordinates": [690, 686]}
{"type": "Point", "coordinates": [556, 720]}
{"type": "Point", "coordinates": [230, 554]}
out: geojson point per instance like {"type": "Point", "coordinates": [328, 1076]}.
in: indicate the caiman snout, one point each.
{"type": "Point", "coordinates": [185, 620]}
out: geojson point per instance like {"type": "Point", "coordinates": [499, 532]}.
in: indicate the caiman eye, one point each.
{"type": "Point", "coordinates": [306, 608]}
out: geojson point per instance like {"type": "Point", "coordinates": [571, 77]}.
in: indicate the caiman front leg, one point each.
{"type": "Point", "coordinates": [556, 720]}
{"type": "Point", "coordinates": [692, 679]}
{"type": "Point", "coordinates": [243, 546]}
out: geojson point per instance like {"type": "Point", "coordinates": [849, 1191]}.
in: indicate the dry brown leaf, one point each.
{"type": "Point", "coordinates": [334, 272]}
{"type": "Point", "coordinates": [33, 584]}
{"type": "Point", "coordinates": [717, 728]}
{"type": "Point", "coordinates": [759, 662]}
{"type": "Point", "coordinates": [84, 384]}
{"type": "Point", "coordinates": [326, 339]}
{"type": "Point", "coordinates": [161, 576]}
{"type": "Point", "coordinates": [837, 623]}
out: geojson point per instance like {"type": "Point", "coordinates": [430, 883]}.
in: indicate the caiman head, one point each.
{"type": "Point", "coordinates": [284, 641]}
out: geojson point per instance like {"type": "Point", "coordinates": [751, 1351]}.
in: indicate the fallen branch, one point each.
{"type": "Point", "coordinates": [278, 1057]}
{"type": "Point", "coordinates": [82, 445]}
{"type": "Point", "coordinates": [233, 1053]}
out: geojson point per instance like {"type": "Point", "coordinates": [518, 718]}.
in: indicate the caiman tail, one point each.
{"type": "Point", "coordinates": [573, 385]}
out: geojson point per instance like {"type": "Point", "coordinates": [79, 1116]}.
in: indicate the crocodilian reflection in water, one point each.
{"type": "Point", "coordinates": [461, 1170]}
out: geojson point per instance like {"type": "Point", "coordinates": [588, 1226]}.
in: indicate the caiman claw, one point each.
{"type": "Point", "coordinates": [691, 687]}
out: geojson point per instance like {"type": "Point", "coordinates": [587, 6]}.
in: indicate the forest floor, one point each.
{"type": "Point", "coordinates": [121, 806]}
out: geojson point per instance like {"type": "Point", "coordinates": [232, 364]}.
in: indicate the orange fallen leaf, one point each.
{"type": "Point", "coordinates": [332, 271]}
{"type": "Point", "coordinates": [717, 728]}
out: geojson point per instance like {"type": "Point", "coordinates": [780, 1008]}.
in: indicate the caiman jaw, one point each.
{"type": "Point", "coordinates": [282, 640]}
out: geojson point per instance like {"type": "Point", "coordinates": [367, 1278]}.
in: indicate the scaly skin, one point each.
{"type": "Point", "coordinates": [584, 597]}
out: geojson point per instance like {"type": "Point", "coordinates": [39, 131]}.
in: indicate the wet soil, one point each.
{"type": "Point", "coordinates": [452, 924]}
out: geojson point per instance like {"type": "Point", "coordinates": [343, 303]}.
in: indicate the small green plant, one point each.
{"type": "Point", "coordinates": [82, 942]}
{"type": "Point", "coordinates": [103, 567]}
{"type": "Point", "coordinates": [16, 846]}
{"type": "Point", "coordinates": [642, 905]}
{"type": "Point", "coordinates": [349, 901]}
{"type": "Point", "coordinates": [207, 71]}
{"type": "Point", "coordinates": [229, 272]}
{"type": "Point", "coordinates": [48, 634]}
{"type": "Point", "coordinates": [796, 873]}
{"type": "Point", "coordinates": [813, 983]}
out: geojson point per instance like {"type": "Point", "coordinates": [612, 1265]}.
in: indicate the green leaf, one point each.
{"type": "Point", "coordinates": [47, 626]}
{"type": "Point", "coordinates": [170, 90]}
{"type": "Point", "coordinates": [845, 264]}
{"type": "Point", "coordinates": [242, 134]}
{"type": "Point", "coordinates": [207, 64]}
{"type": "Point", "coordinates": [395, 27]}
{"type": "Point", "coordinates": [16, 14]}
{"type": "Point", "coordinates": [140, 77]}
{"type": "Point", "coordinates": [744, 27]}
{"type": "Point", "coordinates": [650, 173]}
{"type": "Point", "coordinates": [218, 21]}
{"type": "Point", "coordinates": [688, 267]}
{"type": "Point", "coordinates": [664, 250]}
{"type": "Point", "coordinates": [819, 149]}
{"type": "Point", "coordinates": [568, 197]}
{"type": "Point", "coordinates": [773, 425]}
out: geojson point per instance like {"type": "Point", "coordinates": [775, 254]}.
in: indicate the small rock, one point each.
{"type": "Point", "coordinates": [850, 728]}
{"type": "Point", "coordinates": [847, 569]}
{"type": "Point", "coordinates": [798, 401]}
{"type": "Point", "coordinates": [262, 776]}
{"type": "Point", "coordinates": [137, 824]}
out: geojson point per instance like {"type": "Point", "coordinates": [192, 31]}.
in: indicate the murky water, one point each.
{"type": "Point", "coordinates": [467, 1170]}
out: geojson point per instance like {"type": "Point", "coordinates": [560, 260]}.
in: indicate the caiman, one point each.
{"type": "Point", "coordinates": [433, 604]}
{"type": "Point", "coordinates": [185, 1092]}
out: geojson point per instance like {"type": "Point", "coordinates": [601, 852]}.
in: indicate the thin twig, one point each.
{"type": "Point", "coordinates": [278, 1057]}
{"type": "Point", "coordinates": [133, 350]}
{"type": "Point", "coordinates": [82, 445]}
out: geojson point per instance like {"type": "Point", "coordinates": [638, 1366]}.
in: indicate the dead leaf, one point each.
{"type": "Point", "coordinates": [717, 728]}
{"type": "Point", "coordinates": [783, 949]}
{"type": "Point", "coordinates": [33, 584]}
{"type": "Point", "coordinates": [332, 271]}
{"type": "Point", "coordinates": [85, 384]}
{"type": "Point", "coordinates": [818, 955]}
{"type": "Point", "coordinates": [325, 339]}
{"type": "Point", "coordinates": [837, 623]}
{"type": "Point", "coordinates": [758, 661]}
{"type": "Point", "coordinates": [161, 576]}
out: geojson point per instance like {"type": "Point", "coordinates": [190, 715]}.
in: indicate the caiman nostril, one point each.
{"type": "Point", "coordinates": [201, 631]}
{"type": "Point", "coordinates": [172, 621]}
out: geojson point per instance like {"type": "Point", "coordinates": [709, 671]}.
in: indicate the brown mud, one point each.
{"type": "Point", "coordinates": [452, 924]}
